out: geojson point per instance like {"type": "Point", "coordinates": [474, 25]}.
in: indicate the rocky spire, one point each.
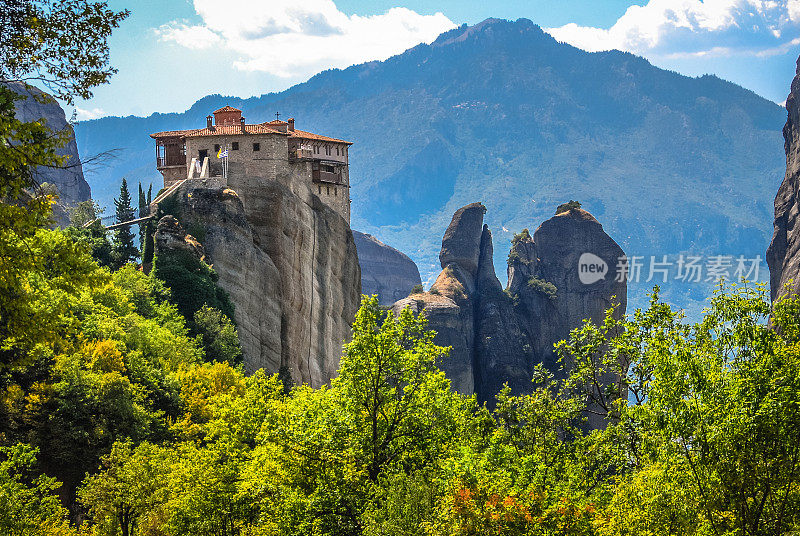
{"type": "Point", "coordinates": [498, 336]}
{"type": "Point", "coordinates": [783, 255]}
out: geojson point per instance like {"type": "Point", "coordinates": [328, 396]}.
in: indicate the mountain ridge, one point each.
{"type": "Point", "coordinates": [502, 112]}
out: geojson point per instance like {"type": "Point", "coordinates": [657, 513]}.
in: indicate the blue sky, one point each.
{"type": "Point", "coordinates": [171, 53]}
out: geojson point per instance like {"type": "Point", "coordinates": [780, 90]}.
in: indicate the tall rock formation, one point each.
{"type": "Point", "coordinates": [289, 264]}
{"type": "Point", "coordinates": [783, 255]}
{"type": "Point", "coordinates": [69, 181]}
{"type": "Point", "coordinates": [553, 256]}
{"type": "Point", "coordinates": [385, 271]}
{"type": "Point", "coordinates": [499, 336]}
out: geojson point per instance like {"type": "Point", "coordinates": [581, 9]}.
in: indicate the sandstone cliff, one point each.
{"type": "Point", "coordinates": [69, 181]}
{"type": "Point", "coordinates": [289, 264]}
{"type": "Point", "coordinates": [783, 255]}
{"type": "Point", "coordinates": [385, 271]}
{"type": "Point", "coordinates": [498, 336]}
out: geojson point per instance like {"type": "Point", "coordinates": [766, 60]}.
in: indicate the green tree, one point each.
{"type": "Point", "coordinates": [146, 228]}
{"type": "Point", "coordinates": [124, 249]}
{"type": "Point", "coordinates": [84, 212]}
{"type": "Point", "coordinates": [389, 413]}
{"type": "Point", "coordinates": [60, 43]}
{"type": "Point", "coordinates": [144, 209]}
{"type": "Point", "coordinates": [713, 405]}
{"type": "Point", "coordinates": [129, 487]}
{"type": "Point", "coordinates": [398, 403]}
{"type": "Point", "coordinates": [220, 340]}
{"type": "Point", "coordinates": [192, 283]}
{"type": "Point", "coordinates": [30, 504]}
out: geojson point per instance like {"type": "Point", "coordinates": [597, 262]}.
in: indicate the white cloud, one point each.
{"type": "Point", "coordinates": [678, 28]}
{"type": "Point", "coordinates": [291, 39]}
{"type": "Point", "coordinates": [87, 115]}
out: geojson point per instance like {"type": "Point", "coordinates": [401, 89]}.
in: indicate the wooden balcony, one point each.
{"type": "Point", "coordinates": [170, 160]}
{"type": "Point", "coordinates": [326, 177]}
{"type": "Point", "coordinates": [298, 154]}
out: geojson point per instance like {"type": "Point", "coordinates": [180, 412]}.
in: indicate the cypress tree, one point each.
{"type": "Point", "coordinates": [148, 246]}
{"type": "Point", "coordinates": [142, 211]}
{"type": "Point", "coordinates": [124, 248]}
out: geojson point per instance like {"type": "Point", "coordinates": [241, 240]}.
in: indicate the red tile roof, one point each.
{"type": "Point", "coordinates": [227, 109]}
{"type": "Point", "coordinates": [310, 136]}
{"type": "Point", "coordinates": [231, 130]}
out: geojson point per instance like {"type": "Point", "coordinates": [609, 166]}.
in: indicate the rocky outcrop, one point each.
{"type": "Point", "coordinates": [68, 180]}
{"type": "Point", "coordinates": [170, 236]}
{"type": "Point", "coordinates": [783, 255]}
{"type": "Point", "coordinates": [498, 336]}
{"type": "Point", "coordinates": [385, 271]}
{"type": "Point", "coordinates": [555, 296]}
{"type": "Point", "coordinates": [449, 305]}
{"type": "Point", "coordinates": [289, 265]}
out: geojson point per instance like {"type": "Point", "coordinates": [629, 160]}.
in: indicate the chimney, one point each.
{"type": "Point", "coordinates": [242, 123]}
{"type": "Point", "coordinates": [291, 124]}
{"type": "Point", "coordinates": [208, 121]}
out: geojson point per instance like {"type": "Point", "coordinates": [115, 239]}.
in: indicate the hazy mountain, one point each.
{"type": "Point", "coordinates": [503, 114]}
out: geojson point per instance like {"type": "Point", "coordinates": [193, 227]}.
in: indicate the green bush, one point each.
{"type": "Point", "coordinates": [522, 235]}
{"type": "Point", "coordinates": [545, 287]}
{"type": "Point", "coordinates": [566, 207]}
{"type": "Point", "coordinates": [192, 284]}
{"type": "Point", "coordinates": [416, 289]}
{"type": "Point", "coordinates": [220, 340]}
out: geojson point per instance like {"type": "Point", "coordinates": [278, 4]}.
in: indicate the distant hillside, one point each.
{"type": "Point", "coordinates": [502, 113]}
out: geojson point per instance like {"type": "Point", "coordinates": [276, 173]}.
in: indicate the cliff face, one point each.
{"type": "Point", "coordinates": [498, 337]}
{"type": "Point", "coordinates": [559, 249]}
{"type": "Point", "coordinates": [289, 264]}
{"type": "Point", "coordinates": [385, 271]}
{"type": "Point", "coordinates": [783, 255]}
{"type": "Point", "coordinates": [69, 180]}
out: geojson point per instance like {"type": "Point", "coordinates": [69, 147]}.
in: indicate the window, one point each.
{"type": "Point", "coordinates": [256, 147]}
{"type": "Point", "coordinates": [216, 148]}
{"type": "Point", "coordinates": [235, 146]}
{"type": "Point", "coordinates": [337, 151]}
{"type": "Point", "coordinates": [202, 154]}
{"type": "Point", "coordinates": [327, 150]}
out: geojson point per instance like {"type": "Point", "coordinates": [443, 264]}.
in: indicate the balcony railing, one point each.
{"type": "Point", "coordinates": [170, 160]}
{"type": "Point", "coordinates": [326, 177]}
{"type": "Point", "coordinates": [300, 154]}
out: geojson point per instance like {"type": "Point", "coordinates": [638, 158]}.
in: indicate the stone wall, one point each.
{"type": "Point", "coordinates": [270, 162]}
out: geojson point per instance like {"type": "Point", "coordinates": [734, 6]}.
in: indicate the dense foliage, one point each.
{"type": "Point", "coordinates": [706, 443]}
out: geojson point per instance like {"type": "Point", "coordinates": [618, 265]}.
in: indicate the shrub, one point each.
{"type": "Point", "coordinates": [545, 287]}
{"type": "Point", "coordinates": [416, 289]}
{"type": "Point", "coordinates": [192, 283]}
{"type": "Point", "coordinates": [522, 235]}
{"type": "Point", "coordinates": [514, 297]}
{"type": "Point", "coordinates": [220, 340]}
{"type": "Point", "coordinates": [566, 207]}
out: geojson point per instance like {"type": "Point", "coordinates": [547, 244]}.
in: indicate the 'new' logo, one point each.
{"type": "Point", "coordinates": [591, 268]}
